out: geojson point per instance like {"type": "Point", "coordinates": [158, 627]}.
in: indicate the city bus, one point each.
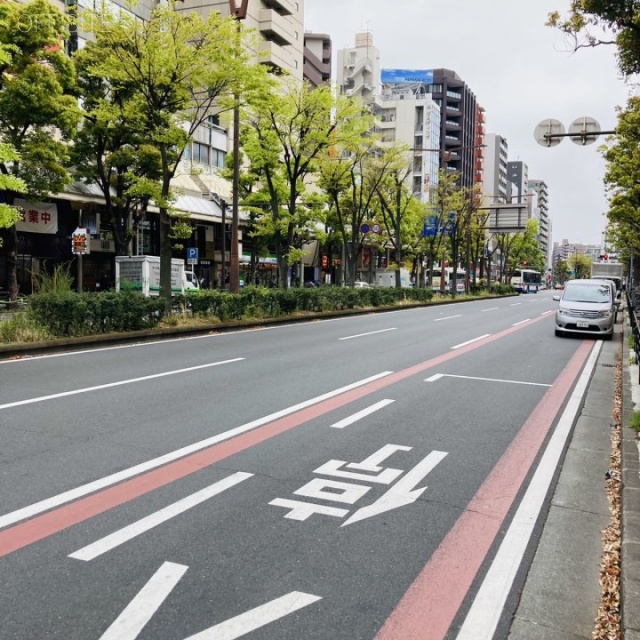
{"type": "Point", "coordinates": [526, 280]}
{"type": "Point", "coordinates": [436, 275]}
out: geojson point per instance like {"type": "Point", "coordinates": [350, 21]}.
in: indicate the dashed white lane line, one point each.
{"type": "Point", "coordinates": [448, 318]}
{"type": "Point", "coordinates": [361, 414]}
{"type": "Point", "coordinates": [369, 333]}
{"type": "Point", "coordinates": [110, 542]}
{"type": "Point", "coordinates": [464, 344]}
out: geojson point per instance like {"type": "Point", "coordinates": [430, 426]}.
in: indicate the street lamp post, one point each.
{"type": "Point", "coordinates": [239, 14]}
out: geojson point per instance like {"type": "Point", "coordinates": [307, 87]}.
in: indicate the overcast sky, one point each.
{"type": "Point", "coordinates": [520, 71]}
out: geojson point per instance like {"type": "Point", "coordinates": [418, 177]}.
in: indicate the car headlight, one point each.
{"type": "Point", "coordinates": [605, 314]}
{"type": "Point", "coordinates": [564, 312]}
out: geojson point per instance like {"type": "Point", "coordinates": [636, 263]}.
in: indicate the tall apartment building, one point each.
{"type": "Point", "coordinates": [494, 181]}
{"type": "Point", "coordinates": [539, 209]}
{"type": "Point", "coordinates": [408, 114]}
{"type": "Point", "coordinates": [358, 69]}
{"type": "Point", "coordinates": [317, 58]}
{"type": "Point", "coordinates": [278, 23]}
{"type": "Point", "coordinates": [518, 179]}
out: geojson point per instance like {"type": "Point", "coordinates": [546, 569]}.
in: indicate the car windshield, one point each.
{"type": "Point", "coordinates": [587, 293]}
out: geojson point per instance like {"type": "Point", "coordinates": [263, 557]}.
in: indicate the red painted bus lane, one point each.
{"type": "Point", "coordinates": [23, 534]}
{"type": "Point", "coordinates": [429, 606]}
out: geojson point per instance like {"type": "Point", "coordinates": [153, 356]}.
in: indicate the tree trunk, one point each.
{"type": "Point", "coordinates": [165, 257]}
{"type": "Point", "coordinates": [12, 262]}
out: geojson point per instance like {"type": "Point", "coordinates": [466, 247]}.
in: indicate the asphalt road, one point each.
{"type": "Point", "coordinates": [350, 478]}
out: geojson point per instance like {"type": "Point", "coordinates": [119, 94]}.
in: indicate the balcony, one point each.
{"type": "Point", "coordinates": [284, 7]}
{"type": "Point", "coordinates": [274, 27]}
{"type": "Point", "coordinates": [274, 55]}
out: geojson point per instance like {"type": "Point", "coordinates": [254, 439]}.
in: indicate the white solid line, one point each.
{"type": "Point", "coordinates": [108, 385]}
{"type": "Point", "coordinates": [369, 333]}
{"type": "Point", "coordinates": [449, 375]}
{"type": "Point", "coordinates": [92, 551]}
{"type": "Point", "coordinates": [139, 611]}
{"type": "Point", "coordinates": [515, 324]}
{"type": "Point", "coordinates": [490, 309]}
{"type": "Point", "coordinates": [484, 614]}
{"type": "Point", "coordinates": [258, 617]}
{"type": "Point", "coordinates": [464, 344]}
{"type": "Point", "coordinates": [448, 318]}
{"type": "Point", "coordinates": [544, 313]}
{"type": "Point", "coordinates": [96, 485]}
{"type": "Point", "coordinates": [361, 414]}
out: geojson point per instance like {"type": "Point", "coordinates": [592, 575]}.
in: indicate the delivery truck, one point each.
{"type": "Point", "coordinates": [608, 271]}
{"type": "Point", "coordinates": [142, 273]}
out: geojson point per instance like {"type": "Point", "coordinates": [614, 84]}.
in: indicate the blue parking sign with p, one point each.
{"type": "Point", "coordinates": [192, 253]}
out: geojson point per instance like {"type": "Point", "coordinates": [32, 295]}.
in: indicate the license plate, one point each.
{"type": "Point", "coordinates": [582, 325]}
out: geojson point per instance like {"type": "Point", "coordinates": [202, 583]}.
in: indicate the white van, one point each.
{"type": "Point", "coordinates": [587, 307]}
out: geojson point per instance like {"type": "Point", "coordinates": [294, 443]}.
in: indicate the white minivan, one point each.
{"type": "Point", "coordinates": [587, 307]}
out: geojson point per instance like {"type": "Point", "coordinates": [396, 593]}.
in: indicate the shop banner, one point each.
{"type": "Point", "coordinates": [37, 217]}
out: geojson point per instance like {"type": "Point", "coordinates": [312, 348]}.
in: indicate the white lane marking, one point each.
{"type": "Point", "coordinates": [448, 318]}
{"type": "Point", "coordinates": [515, 324]}
{"type": "Point", "coordinates": [369, 333]}
{"type": "Point", "coordinates": [403, 492]}
{"type": "Point", "coordinates": [92, 551]}
{"type": "Point", "coordinates": [361, 414]}
{"type": "Point", "coordinates": [108, 385]}
{"type": "Point", "coordinates": [484, 614]}
{"type": "Point", "coordinates": [96, 485]}
{"type": "Point", "coordinates": [437, 376]}
{"type": "Point", "coordinates": [303, 510]}
{"type": "Point", "coordinates": [139, 611]}
{"type": "Point", "coordinates": [490, 309]}
{"type": "Point", "coordinates": [515, 304]}
{"type": "Point", "coordinates": [544, 313]}
{"type": "Point", "coordinates": [464, 344]}
{"type": "Point", "coordinates": [258, 617]}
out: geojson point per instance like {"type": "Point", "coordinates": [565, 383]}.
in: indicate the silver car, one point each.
{"type": "Point", "coordinates": [587, 307]}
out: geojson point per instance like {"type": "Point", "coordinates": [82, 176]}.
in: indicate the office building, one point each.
{"type": "Point", "coordinates": [494, 180]}
{"type": "Point", "coordinates": [358, 69]}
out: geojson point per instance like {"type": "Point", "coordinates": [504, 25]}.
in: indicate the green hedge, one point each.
{"type": "Point", "coordinates": [255, 302]}
{"type": "Point", "coordinates": [80, 314]}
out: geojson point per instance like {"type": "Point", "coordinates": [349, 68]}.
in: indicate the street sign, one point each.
{"type": "Point", "coordinates": [376, 228]}
{"type": "Point", "coordinates": [192, 255]}
{"type": "Point", "coordinates": [80, 240]}
{"type": "Point", "coordinates": [364, 228]}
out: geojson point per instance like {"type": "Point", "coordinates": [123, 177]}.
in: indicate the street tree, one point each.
{"type": "Point", "coordinates": [178, 69]}
{"type": "Point", "coordinates": [592, 23]}
{"type": "Point", "coordinates": [38, 109]}
{"type": "Point", "coordinates": [110, 150]}
{"type": "Point", "coordinates": [350, 176]}
{"type": "Point", "coordinates": [399, 206]}
{"type": "Point", "coordinates": [622, 179]}
{"type": "Point", "coordinates": [526, 248]}
{"type": "Point", "coordinates": [286, 132]}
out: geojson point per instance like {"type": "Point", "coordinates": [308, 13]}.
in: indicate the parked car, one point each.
{"type": "Point", "coordinates": [587, 307]}
{"type": "Point", "coordinates": [360, 284]}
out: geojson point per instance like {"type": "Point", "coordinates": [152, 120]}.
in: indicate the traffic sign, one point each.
{"type": "Point", "coordinates": [192, 255]}
{"type": "Point", "coordinates": [376, 228]}
{"type": "Point", "coordinates": [365, 228]}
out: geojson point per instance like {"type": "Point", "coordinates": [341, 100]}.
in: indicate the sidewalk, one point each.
{"type": "Point", "coordinates": [561, 596]}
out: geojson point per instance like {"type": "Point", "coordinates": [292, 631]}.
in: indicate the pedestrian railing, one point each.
{"type": "Point", "coordinates": [633, 301]}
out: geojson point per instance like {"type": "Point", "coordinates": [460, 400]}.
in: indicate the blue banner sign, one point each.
{"type": "Point", "coordinates": [399, 76]}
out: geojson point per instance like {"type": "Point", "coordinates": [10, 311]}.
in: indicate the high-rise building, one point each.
{"type": "Point", "coordinates": [518, 178]}
{"type": "Point", "coordinates": [317, 58]}
{"type": "Point", "coordinates": [408, 114]}
{"type": "Point", "coordinates": [459, 117]}
{"type": "Point", "coordinates": [539, 209]}
{"type": "Point", "coordinates": [278, 23]}
{"type": "Point", "coordinates": [494, 182]}
{"type": "Point", "coordinates": [358, 69]}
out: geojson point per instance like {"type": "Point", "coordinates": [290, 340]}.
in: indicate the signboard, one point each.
{"type": "Point", "coordinates": [507, 218]}
{"type": "Point", "coordinates": [80, 242]}
{"type": "Point", "coordinates": [192, 255]}
{"type": "Point", "coordinates": [430, 227]}
{"type": "Point", "coordinates": [403, 76]}
{"type": "Point", "coordinates": [38, 217]}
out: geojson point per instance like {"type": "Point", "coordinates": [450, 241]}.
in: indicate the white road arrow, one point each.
{"type": "Point", "coordinates": [403, 492]}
